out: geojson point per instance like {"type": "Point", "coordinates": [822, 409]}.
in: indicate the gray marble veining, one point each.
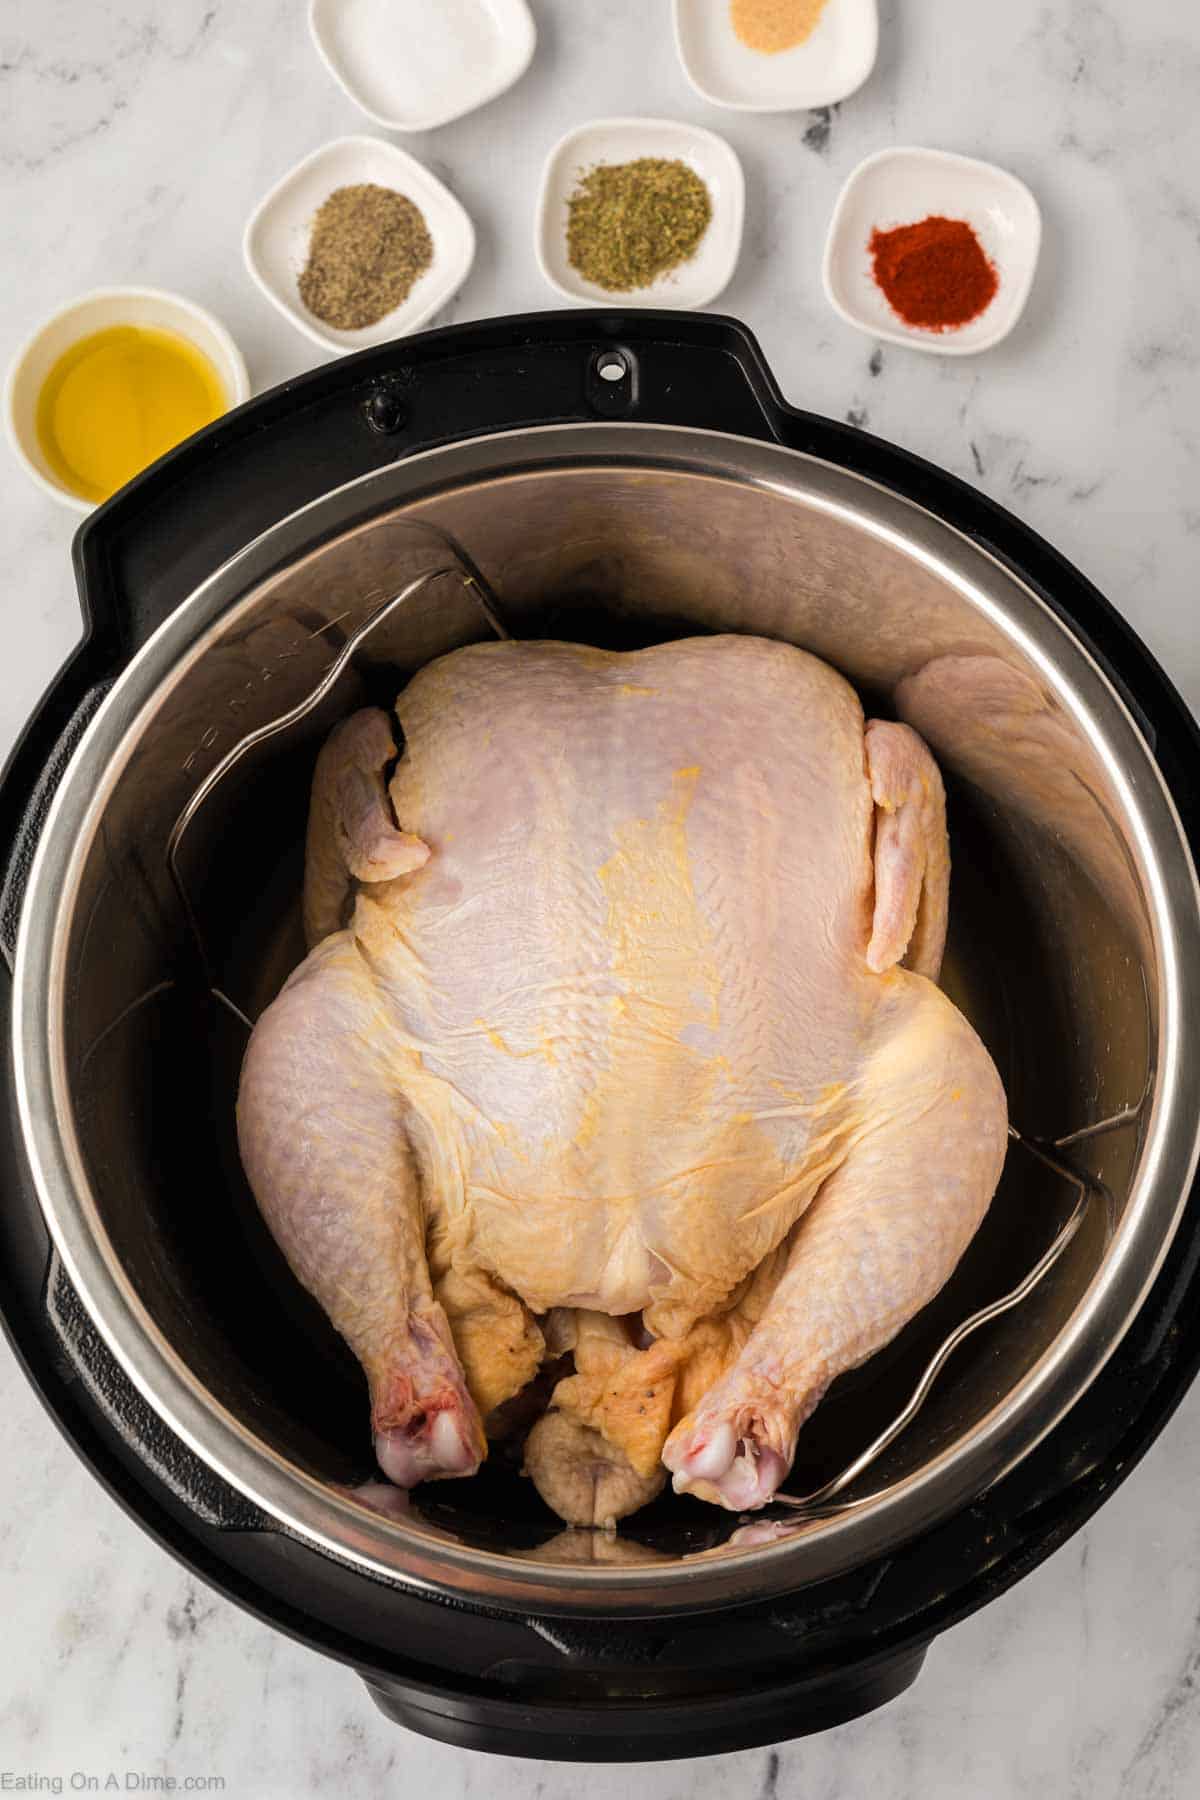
{"type": "Point", "coordinates": [134, 139]}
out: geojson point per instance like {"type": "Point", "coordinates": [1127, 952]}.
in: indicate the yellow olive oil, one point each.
{"type": "Point", "coordinates": [118, 399]}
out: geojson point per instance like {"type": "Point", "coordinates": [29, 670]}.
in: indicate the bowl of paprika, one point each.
{"type": "Point", "coordinates": [933, 250]}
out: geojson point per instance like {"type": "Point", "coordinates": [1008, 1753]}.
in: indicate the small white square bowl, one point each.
{"type": "Point", "coordinates": [412, 65]}
{"type": "Point", "coordinates": [695, 283]}
{"type": "Point", "coordinates": [902, 186]}
{"type": "Point", "coordinates": [830, 64]}
{"type": "Point", "coordinates": [276, 241]}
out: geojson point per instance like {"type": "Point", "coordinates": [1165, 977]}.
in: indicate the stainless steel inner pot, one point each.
{"type": "Point", "coordinates": [1074, 948]}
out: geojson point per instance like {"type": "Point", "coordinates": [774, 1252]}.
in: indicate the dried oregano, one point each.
{"type": "Point", "coordinates": [628, 223]}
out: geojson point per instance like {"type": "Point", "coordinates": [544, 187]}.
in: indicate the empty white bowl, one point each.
{"type": "Point", "coordinates": [694, 283]}
{"type": "Point", "coordinates": [828, 65]}
{"type": "Point", "coordinates": [276, 242]}
{"type": "Point", "coordinates": [901, 187]}
{"type": "Point", "coordinates": [412, 65]}
{"type": "Point", "coordinates": [99, 310]}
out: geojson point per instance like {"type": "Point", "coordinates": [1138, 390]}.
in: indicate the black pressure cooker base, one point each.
{"type": "Point", "coordinates": [638, 1728]}
{"type": "Point", "coordinates": [599, 1690]}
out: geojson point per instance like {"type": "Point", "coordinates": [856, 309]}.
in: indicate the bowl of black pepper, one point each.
{"type": "Point", "coordinates": [647, 211]}
{"type": "Point", "coordinates": [358, 244]}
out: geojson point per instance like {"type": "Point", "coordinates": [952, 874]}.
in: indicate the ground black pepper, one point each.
{"type": "Point", "coordinates": [628, 223]}
{"type": "Point", "coordinates": [369, 244]}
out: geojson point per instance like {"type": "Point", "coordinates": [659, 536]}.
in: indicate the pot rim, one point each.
{"type": "Point", "coordinates": [421, 1558]}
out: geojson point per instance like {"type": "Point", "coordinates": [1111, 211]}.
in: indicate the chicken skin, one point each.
{"type": "Point", "coordinates": [618, 1042]}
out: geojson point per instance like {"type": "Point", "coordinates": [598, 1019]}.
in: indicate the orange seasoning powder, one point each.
{"type": "Point", "coordinates": [934, 273]}
{"type": "Point", "coordinates": [774, 25]}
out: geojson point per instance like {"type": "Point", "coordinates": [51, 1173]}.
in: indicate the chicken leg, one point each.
{"type": "Point", "coordinates": [881, 1238]}
{"type": "Point", "coordinates": [321, 1127]}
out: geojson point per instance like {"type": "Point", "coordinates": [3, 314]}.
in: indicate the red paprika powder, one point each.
{"type": "Point", "coordinates": [934, 274]}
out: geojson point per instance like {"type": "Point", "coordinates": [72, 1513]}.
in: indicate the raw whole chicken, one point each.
{"type": "Point", "coordinates": [618, 1050]}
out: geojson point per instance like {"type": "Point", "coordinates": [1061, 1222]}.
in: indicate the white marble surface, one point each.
{"type": "Point", "coordinates": [134, 138]}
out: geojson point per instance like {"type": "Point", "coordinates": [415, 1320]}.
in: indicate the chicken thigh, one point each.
{"type": "Point", "coordinates": [605, 1048]}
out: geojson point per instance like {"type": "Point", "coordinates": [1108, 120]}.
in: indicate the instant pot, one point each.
{"type": "Point", "coordinates": [616, 478]}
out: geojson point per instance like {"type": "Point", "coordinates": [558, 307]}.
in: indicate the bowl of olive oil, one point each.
{"type": "Point", "coordinates": [112, 382]}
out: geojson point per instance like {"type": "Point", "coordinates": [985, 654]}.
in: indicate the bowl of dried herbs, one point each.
{"type": "Point", "coordinates": [647, 211]}
{"type": "Point", "coordinates": [358, 244]}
